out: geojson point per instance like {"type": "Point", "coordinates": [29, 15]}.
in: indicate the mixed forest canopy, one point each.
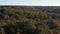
{"type": "Point", "coordinates": [29, 20]}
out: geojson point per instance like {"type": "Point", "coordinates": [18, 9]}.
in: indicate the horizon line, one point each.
{"type": "Point", "coordinates": [29, 5]}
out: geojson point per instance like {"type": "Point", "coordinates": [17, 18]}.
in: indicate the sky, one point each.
{"type": "Point", "coordinates": [31, 2]}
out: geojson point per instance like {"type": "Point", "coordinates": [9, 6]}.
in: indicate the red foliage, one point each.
{"type": "Point", "coordinates": [22, 18]}
{"type": "Point", "coordinates": [12, 19]}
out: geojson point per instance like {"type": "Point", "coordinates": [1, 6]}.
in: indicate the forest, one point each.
{"type": "Point", "coordinates": [29, 20]}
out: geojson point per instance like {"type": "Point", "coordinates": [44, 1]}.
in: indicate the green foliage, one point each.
{"type": "Point", "coordinates": [28, 20]}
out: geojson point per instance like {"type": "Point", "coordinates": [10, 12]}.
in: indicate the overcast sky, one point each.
{"type": "Point", "coordinates": [30, 2]}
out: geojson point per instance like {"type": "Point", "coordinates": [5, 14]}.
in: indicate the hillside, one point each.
{"type": "Point", "coordinates": [29, 20]}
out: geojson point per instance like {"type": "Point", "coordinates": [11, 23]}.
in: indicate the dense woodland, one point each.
{"type": "Point", "coordinates": [29, 20]}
